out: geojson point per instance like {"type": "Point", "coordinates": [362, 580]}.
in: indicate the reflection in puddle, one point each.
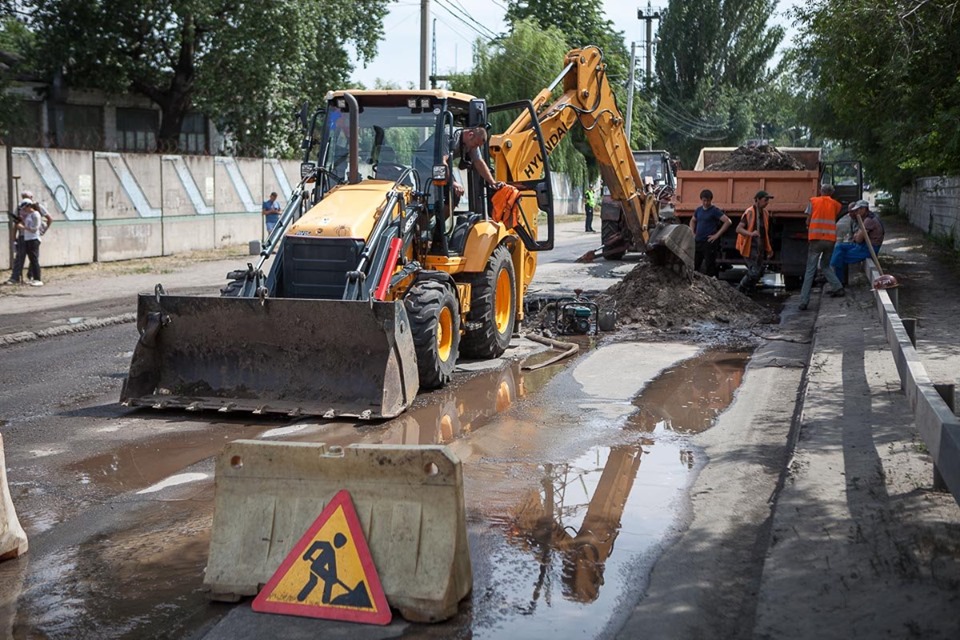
{"type": "Point", "coordinates": [142, 463]}
{"type": "Point", "coordinates": [689, 397]}
{"type": "Point", "coordinates": [622, 497]}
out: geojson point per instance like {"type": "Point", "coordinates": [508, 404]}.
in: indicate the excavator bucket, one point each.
{"type": "Point", "coordinates": [670, 243]}
{"type": "Point", "coordinates": [272, 355]}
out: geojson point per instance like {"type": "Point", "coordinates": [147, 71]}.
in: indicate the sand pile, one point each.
{"type": "Point", "coordinates": [661, 298]}
{"type": "Point", "coordinates": [762, 158]}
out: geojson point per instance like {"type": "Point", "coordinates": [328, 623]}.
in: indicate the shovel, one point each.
{"type": "Point", "coordinates": [883, 281]}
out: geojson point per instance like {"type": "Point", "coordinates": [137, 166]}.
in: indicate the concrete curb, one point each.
{"type": "Point", "coordinates": [935, 420]}
{"type": "Point", "coordinates": [52, 332]}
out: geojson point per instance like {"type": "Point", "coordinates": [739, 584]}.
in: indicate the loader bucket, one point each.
{"type": "Point", "coordinates": [276, 355]}
{"type": "Point", "coordinates": [671, 242]}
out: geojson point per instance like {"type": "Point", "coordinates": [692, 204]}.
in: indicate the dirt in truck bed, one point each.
{"type": "Point", "coordinates": [762, 158]}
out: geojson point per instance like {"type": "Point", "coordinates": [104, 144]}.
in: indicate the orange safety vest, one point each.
{"type": "Point", "coordinates": [505, 205]}
{"type": "Point", "coordinates": [744, 242]}
{"type": "Point", "coordinates": [823, 218]}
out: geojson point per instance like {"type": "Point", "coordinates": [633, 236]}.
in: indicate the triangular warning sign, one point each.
{"type": "Point", "coordinates": [329, 573]}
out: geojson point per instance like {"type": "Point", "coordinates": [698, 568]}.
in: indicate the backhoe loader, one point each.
{"type": "Point", "coordinates": [380, 277]}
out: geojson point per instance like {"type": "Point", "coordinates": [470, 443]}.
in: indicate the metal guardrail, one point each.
{"type": "Point", "coordinates": [939, 427]}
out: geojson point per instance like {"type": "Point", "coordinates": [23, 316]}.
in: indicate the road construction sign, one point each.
{"type": "Point", "coordinates": [329, 573]}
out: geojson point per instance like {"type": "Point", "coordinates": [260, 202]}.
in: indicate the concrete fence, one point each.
{"type": "Point", "coordinates": [933, 204]}
{"type": "Point", "coordinates": [117, 206]}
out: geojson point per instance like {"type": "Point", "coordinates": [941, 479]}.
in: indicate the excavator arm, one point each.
{"type": "Point", "coordinates": [588, 101]}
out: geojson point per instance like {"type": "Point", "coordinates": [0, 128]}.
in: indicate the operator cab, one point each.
{"type": "Point", "coordinates": [405, 138]}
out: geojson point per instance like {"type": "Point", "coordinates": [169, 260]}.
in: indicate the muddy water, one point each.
{"type": "Point", "coordinates": [559, 546]}
{"type": "Point", "coordinates": [569, 492]}
{"type": "Point", "coordinates": [139, 464]}
{"type": "Point", "coordinates": [141, 582]}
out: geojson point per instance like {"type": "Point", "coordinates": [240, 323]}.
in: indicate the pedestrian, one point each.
{"type": "Point", "coordinates": [753, 240]}
{"type": "Point", "coordinates": [821, 239]}
{"type": "Point", "coordinates": [271, 212]}
{"type": "Point", "coordinates": [20, 252]}
{"type": "Point", "coordinates": [867, 227]}
{"type": "Point", "coordinates": [30, 226]}
{"type": "Point", "coordinates": [708, 224]}
{"type": "Point", "coordinates": [589, 202]}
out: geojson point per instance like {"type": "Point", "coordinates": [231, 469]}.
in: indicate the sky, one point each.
{"type": "Point", "coordinates": [460, 22]}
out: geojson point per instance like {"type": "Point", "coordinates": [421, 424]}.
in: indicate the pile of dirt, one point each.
{"type": "Point", "coordinates": [664, 299]}
{"type": "Point", "coordinates": [760, 158]}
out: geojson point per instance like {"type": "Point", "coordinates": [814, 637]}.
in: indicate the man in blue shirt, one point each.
{"type": "Point", "coordinates": [708, 224]}
{"type": "Point", "coordinates": [271, 212]}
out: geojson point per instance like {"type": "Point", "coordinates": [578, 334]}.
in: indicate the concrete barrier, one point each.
{"type": "Point", "coordinates": [935, 420]}
{"type": "Point", "coordinates": [409, 500]}
{"type": "Point", "coordinates": [13, 540]}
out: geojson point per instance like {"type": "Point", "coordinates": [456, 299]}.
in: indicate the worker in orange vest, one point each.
{"type": "Point", "coordinates": [823, 211]}
{"type": "Point", "coordinates": [753, 240]}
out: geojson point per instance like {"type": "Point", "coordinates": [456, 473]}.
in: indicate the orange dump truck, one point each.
{"type": "Point", "coordinates": [733, 192]}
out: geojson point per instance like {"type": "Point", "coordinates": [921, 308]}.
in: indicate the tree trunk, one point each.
{"type": "Point", "coordinates": [175, 99]}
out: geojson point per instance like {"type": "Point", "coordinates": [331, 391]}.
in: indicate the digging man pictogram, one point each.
{"type": "Point", "coordinates": [322, 557]}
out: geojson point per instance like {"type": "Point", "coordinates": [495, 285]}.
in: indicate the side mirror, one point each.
{"type": "Point", "coordinates": [304, 117]}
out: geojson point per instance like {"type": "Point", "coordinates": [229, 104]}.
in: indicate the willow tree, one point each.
{"type": "Point", "coordinates": [713, 62]}
{"type": "Point", "coordinates": [518, 67]}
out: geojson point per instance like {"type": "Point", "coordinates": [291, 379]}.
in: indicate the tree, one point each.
{"type": "Point", "coordinates": [712, 66]}
{"type": "Point", "coordinates": [582, 23]}
{"type": "Point", "coordinates": [518, 67]}
{"type": "Point", "coordinates": [244, 64]}
{"type": "Point", "coordinates": [891, 91]}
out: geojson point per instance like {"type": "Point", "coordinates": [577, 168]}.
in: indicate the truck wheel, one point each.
{"type": "Point", "coordinates": [435, 323]}
{"type": "Point", "coordinates": [609, 229]}
{"type": "Point", "coordinates": [493, 307]}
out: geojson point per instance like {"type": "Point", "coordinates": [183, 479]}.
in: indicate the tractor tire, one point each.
{"type": "Point", "coordinates": [493, 308]}
{"type": "Point", "coordinates": [608, 229]}
{"type": "Point", "coordinates": [434, 315]}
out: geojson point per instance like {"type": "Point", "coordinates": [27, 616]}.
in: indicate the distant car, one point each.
{"type": "Point", "coordinates": [881, 197]}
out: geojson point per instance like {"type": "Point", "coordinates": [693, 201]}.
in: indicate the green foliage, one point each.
{"type": "Point", "coordinates": [518, 67]}
{"type": "Point", "coordinates": [582, 23]}
{"type": "Point", "coordinates": [891, 91]}
{"type": "Point", "coordinates": [713, 80]}
{"type": "Point", "coordinates": [15, 41]}
{"type": "Point", "coordinates": [245, 65]}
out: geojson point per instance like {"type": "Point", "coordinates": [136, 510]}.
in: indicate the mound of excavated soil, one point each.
{"type": "Point", "coordinates": [659, 297]}
{"type": "Point", "coordinates": [762, 158]}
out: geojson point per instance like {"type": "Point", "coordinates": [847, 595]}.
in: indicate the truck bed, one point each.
{"type": "Point", "coordinates": [733, 191]}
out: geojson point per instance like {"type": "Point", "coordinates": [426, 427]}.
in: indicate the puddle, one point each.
{"type": "Point", "coordinates": [140, 581]}
{"type": "Point", "coordinates": [146, 462]}
{"type": "Point", "coordinates": [559, 547]}
{"type": "Point", "coordinates": [689, 397]}
{"type": "Point", "coordinates": [438, 417]}
{"type": "Point", "coordinates": [573, 482]}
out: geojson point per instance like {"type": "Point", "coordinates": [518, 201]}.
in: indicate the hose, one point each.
{"type": "Point", "coordinates": [570, 349]}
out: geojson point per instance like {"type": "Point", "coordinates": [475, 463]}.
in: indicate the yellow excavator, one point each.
{"type": "Point", "coordinates": [379, 275]}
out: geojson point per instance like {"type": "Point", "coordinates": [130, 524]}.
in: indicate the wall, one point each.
{"type": "Point", "coordinates": [111, 206]}
{"type": "Point", "coordinates": [118, 206]}
{"type": "Point", "coordinates": [933, 204]}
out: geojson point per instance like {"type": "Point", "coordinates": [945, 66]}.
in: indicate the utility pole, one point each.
{"type": "Point", "coordinates": [424, 39]}
{"type": "Point", "coordinates": [630, 86]}
{"type": "Point", "coordinates": [433, 57]}
{"type": "Point", "coordinates": [649, 18]}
